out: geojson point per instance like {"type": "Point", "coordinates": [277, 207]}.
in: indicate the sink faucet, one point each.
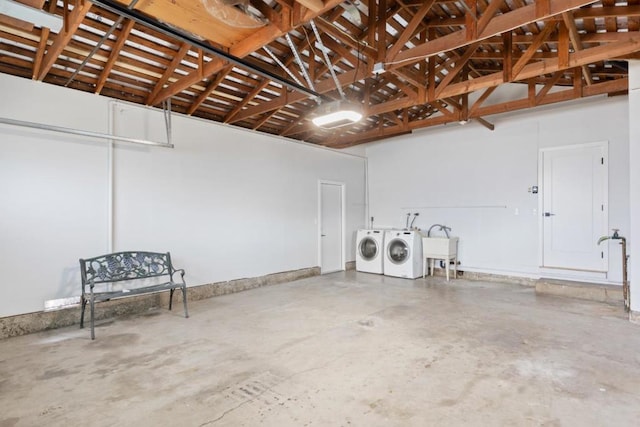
{"type": "Point", "coordinates": [442, 228]}
{"type": "Point", "coordinates": [615, 236]}
{"type": "Point", "coordinates": [625, 283]}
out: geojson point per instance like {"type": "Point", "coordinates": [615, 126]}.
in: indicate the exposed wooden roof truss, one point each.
{"type": "Point", "coordinates": [442, 59]}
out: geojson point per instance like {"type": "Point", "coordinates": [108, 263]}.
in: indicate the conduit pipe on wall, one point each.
{"type": "Point", "coordinates": [81, 132]}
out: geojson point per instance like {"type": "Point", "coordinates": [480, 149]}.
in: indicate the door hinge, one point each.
{"type": "Point", "coordinates": [602, 160]}
{"type": "Point", "coordinates": [602, 208]}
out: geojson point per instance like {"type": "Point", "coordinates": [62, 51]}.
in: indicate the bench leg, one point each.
{"type": "Point", "coordinates": [171, 298]}
{"type": "Point", "coordinates": [83, 303]}
{"type": "Point", "coordinates": [184, 301]}
{"type": "Point", "coordinates": [93, 334]}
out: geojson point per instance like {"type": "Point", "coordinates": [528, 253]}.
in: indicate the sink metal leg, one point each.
{"type": "Point", "coordinates": [455, 267]}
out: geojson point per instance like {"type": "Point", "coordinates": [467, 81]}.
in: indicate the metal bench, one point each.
{"type": "Point", "coordinates": [132, 269]}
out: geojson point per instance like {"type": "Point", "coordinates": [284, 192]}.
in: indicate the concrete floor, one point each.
{"type": "Point", "coordinates": [345, 349]}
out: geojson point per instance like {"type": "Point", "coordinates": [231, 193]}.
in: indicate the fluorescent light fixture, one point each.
{"type": "Point", "coordinates": [336, 114]}
{"type": "Point", "coordinates": [29, 14]}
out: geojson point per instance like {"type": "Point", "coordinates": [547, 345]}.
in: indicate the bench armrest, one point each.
{"type": "Point", "coordinates": [181, 271]}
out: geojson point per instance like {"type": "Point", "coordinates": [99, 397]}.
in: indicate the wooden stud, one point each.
{"type": "Point", "coordinates": [563, 45]}
{"type": "Point", "coordinates": [569, 21]}
{"type": "Point", "coordinates": [382, 30]}
{"type": "Point", "coordinates": [507, 57]}
{"type": "Point", "coordinates": [471, 20]}
{"type": "Point", "coordinates": [42, 46]}
{"type": "Point", "coordinates": [543, 8]}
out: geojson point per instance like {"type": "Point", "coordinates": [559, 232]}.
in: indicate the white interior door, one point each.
{"type": "Point", "coordinates": [331, 236]}
{"type": "Point", "coordinates": [574, 207]}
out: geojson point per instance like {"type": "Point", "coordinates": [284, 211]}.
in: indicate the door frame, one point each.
{"type": "Point", "coordinates": [605, 249]}
{"type": "Point", "coordinates": [343, 191]}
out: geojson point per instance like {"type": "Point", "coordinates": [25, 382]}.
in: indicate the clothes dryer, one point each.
{"type": "Point", "coordinates": [369, 251]}
{"type": "Point", "coordinates": [403, 254]}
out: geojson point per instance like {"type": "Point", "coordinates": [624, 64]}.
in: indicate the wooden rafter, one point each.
{"type": "Point", "coordinates": [498, 25]}
{"type": "Point", "coordinates": [177, 59]}
{"type": "Point", "coordinates": [72, 22]}
{"type": "Point", "coordinates": [409, 32]}
{"type": "Point", "coordinates": [115, 52]}
{"type": "Point", "coordinates": [210, 88]}
{"type": "Point", "coordinates": [532, 49]}
{"type": "Point", "coordinates": [569, 21]}
{"type": "Point", "coordinates": [448, 52]}
{"type": "Point", "coordinates": [261, 38]}
{"type": "Point", "coordinates": [42, 46]}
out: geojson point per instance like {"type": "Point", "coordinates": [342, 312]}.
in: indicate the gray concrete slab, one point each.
{"type": "Point", "coordinates": [346, 349]}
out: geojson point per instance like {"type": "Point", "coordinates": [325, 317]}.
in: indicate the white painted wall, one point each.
{"type": "Point", "coordinates": [227, 203]}
{"type": "Point", "coordinates": [634, 191]}
{"type": "Point", "coordinates": [476, 181]}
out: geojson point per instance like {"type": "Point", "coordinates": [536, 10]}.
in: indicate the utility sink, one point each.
{"type": "Point", "coordinates": [444, 248]}
{"type": "Point", "coordinates": [439, 247]}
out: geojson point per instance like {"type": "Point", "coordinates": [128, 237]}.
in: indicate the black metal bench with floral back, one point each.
{"type": "Point", "coordinates": [134, 271]}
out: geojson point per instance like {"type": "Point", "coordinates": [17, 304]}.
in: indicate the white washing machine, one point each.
{"type": "Point", "coordinates": [403, 253]}
{"type": "Point", "coordinates": [369, 248]}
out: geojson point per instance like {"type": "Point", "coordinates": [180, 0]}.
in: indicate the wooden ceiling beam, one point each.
{"type": "Point", "coordinates": [488, 14]}
{"type": "Point", "coordinates": [42, 46]}
{"type": "Point", "coordinates": [60, 41]}
{"type": "Point", "coordinates": [569, 21]}
{"type": "Point", "coordinates": [547, 87]}
{"type": "Point", "coordinates": [411, 28]}
{"type": "Point", "coordinates": [452, 73]}
{"type": "Point", "coordinates": [607, 12]}
{"type": "Point", "coordinates": [509, 106]}
{"type": "Point", "coordinates": [168, 72]}
{"type": "Point", "coordinates": [323, 86]}
{"type": "Point", "coordinates": [498, 25]}
{"type": "Point", "coordinates": [240, 105]}
{"type": "Point", "coordinates": [381, 30]}
{"type": "Point", "coordinates": [486, 94]}
{"type": "Point", "coordinates": [264, 119]}
{"type": "Point", "coordinates": [485, 123]}
{"type": "Point", "coordinates": [260, 38]}
{"type": "Point", "coordinates": [576, 59]}
{"type": "Point", "coordinates": [210, 88]}
{"type": "Point", "coordinates": [115, 52]}
{"type": "Point", "coordinates": [532, 49]}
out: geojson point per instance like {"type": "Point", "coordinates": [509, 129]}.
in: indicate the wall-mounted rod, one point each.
{"type": "Point", "coordinates": [81, 132]}
{"type": "Point", "coordinates": [133, 14]}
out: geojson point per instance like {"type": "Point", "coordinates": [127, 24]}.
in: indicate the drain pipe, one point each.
{"type": "Point", "coordinates": [625, 283]}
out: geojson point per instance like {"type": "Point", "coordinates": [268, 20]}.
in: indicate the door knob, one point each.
{"type": "Point", "coordinates": [548, 214]}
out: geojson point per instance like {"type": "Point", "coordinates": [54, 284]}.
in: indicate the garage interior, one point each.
{"type": "Point", "coordinates": [511, 123]}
